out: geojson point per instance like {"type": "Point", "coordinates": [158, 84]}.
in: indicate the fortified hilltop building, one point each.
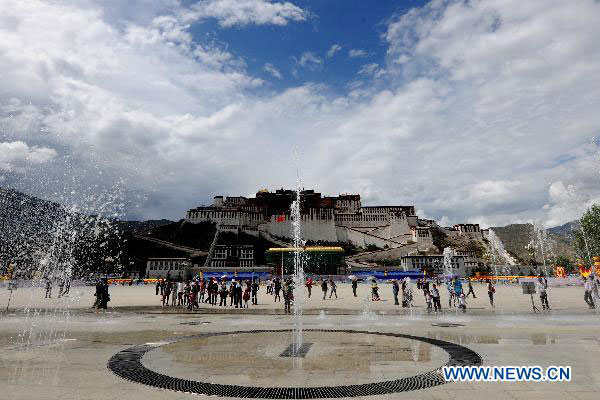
{"type": "Point", "coordinates": [327, 219]}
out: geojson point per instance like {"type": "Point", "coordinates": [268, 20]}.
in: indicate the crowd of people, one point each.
{"type": "Point", "coordinates": [192, 293]}
{"type": "Point", "coordinates": [242, 293]}
{"type": "Point", "coordinates": [239, 294]}
{"type": "Point", "coordinates": [64, 286]}
{"type": "Point", "coordinates": [211, 291]}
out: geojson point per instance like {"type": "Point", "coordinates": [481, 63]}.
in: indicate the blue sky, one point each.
{"type": "Point", "coordinates": [481, 111]}
{"type": "Point", "coordinates": [350, 24]}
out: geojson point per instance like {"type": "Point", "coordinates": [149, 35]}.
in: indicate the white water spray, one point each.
{"type": "Point", "coordinates": [447, 263]}
{"type": "Point", "coordinates": [298, 268]}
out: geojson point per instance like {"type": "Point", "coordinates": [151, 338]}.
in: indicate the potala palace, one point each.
{"type": "Point", "coordinates": [325, 219]}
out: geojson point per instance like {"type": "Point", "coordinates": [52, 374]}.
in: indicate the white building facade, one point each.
{"type": "Point", "coordinates": [163, 267]}
{"type": "Point", "coordinates": [326, 219]}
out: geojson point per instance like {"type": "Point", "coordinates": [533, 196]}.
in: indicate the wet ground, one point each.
{"type": "Point", "coordinates": [60, 353]}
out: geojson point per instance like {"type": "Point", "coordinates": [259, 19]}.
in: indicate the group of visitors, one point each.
{"type": "Point", "coordinates": [64, 286]}
{"type": "Point", "coordinates": [191, 293]}
{"type": "Point", "coordinates": [406, 288]}
{"type": "Point", "coordinates": [277, 286]}
{"type": "Point", "coordinates": [456, 294]}
{"type": "Point", "coordinates": [329, 284]}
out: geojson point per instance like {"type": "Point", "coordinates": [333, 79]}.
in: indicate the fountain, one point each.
{"type": "Point", "coordinates": [298, 272]}
{"type": "Point", "coordinates": [448, 263]}
{"type": "Point", "coordinates": [54, 245]}
{"type": "Point", "coordinates": [542, 242]}
{"type": "Point", "coordinates": [498, 253]}
{"type": "Point", "coordinates": [367, 312]}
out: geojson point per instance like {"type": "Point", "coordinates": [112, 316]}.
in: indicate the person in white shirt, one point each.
{"type": "Point", "coordinates": [180, 293]}
{"type": "Point", "coordinates": [462, 302]}
{"type": "Point", "coordinates": [588, 287]}
{"type": "Point", "coordinates": [542, 285]}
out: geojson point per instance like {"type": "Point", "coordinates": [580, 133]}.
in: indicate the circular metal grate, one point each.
{"type": "Point", "coordinates": [128, 365]}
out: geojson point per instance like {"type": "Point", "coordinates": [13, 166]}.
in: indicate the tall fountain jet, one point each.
{"type": "Point", "coordinates": [498, 253]}
{"type": "Point", "coordinates": [298, 267]}
{"type": "Point", "coordinates": [447, 263]}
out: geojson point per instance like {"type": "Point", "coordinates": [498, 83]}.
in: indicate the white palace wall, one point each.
{"type": "Point", "coordinates": [377, 226]}
{"type": "Point", "coordinates": [316, 225]}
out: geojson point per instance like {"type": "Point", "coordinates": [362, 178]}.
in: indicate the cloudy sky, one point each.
{"type": "Point", "coordinates": [473, 111]}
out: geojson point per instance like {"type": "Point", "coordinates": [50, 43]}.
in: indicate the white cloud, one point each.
{"type": "Point", "coordinates": [488, 114]}
{"type": "Point", "coordinates": [357, 53]}
{"type": "Point", "coordinates": [372, 69]}
{"type": "Point", "coordinates": [245, 12]}
{"type": "Point", "coordinates": [270, 68]}
{"type": "Point", "coordinates": [310, 60]}
{"type": "Point", "coordinates": [333, 49]}
{"type": "Point", "coordinates": [17, 155]}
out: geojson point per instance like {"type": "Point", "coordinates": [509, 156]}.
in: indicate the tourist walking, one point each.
{"type": "Point", "coordinates": [194, 290]}
{"type": "Point", "coordinates": [491, 290]}
{"type": "Point", "coordinates": [451, 294]}
{"type": "Point", "coordinates": [180, 293]}
{"type": "Point", "coordinates": [246, 295]}
{"type": "Point", "coordinates": [239, 294]}
{"type": "Point", "coordinates": [374, 291]}
{"type": "Point", "coordinates": [429, 301]}
{"type": "Point", "coordinates": [309, 284]}
{"type": "Point", "coordinates": [67, 285]}
{"type": "Point", "coordinates": [98, 294]}
{"type": "Point", "coordinates": [186, 293]}
{"type": "Point", "coordinates": [232, 292]}
{"type": "Point", "coordinates": [269, 288]}
{"type": "Point", "coordinates": [425, 286]}
{"type": "Point", "coordinates": [462, 302]}
{"type": "Point", "coordinates": [215, 292]}
{"type": "Point", "coordinates": [354, 286]}
{"type": "Point", "coordinates": [458, 288]}
{"type": "Point", "coordinates": [201, 290]}
{"type": "Point", "coordinates": [333, 288]}
{"type": "Point", "coordinates": [542, 284]}
{"type": "Point", "coordinates": [471, 291]}
{"type": "Point", "coordinates": [288, 295]}
{"type": "Point", "coordinates": [324, 288]}
{"type": "Point", "coordinates": [223, 295]}
{"type": "Point", "coordinates": [255, 293]}
{"type": "Point", "coordinates": [588, 287]}
{"type": "Point", "coordinates": [157, 286]}
{"type": "Point", "coordinates": [435, 296]}
{"type": "Point", "coordinates": [48, 288]}
{"type": "Point", "coordinates": [277, 289]}
{"type": "Point", "coordinates": [174, 294]}
{"type": "Point", "coordinates": [166, 294]}
{"type": "Point", "coordinates": [395, 290]}
{"type": "Point", "coordinates": [208, 292]}
{"type": "Point", "coordinates": [102, 296]}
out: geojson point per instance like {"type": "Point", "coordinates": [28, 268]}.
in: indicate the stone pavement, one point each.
{"type": "Point", "coordinates": [508, 299]}
{"type": "Point", "coordinates": [53, 352]}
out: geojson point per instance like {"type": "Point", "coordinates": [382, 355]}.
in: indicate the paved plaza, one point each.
{"type": "Point", "coordinates": [60, 348]}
